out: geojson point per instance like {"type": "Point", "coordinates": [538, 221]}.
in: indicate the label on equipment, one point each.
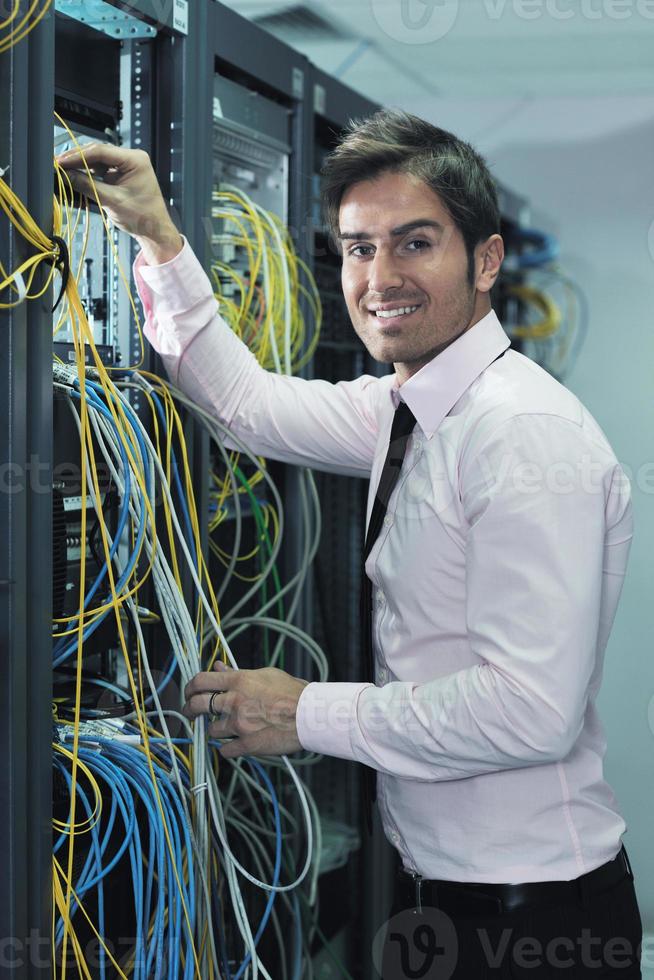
{"type": "Point", "coordinates": [75, 503]}
{"type": "Point", "coordinates": [180, 16]}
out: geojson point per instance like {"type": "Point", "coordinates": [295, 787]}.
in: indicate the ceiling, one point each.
{"type": "Point", "coordinates": [401, 52]}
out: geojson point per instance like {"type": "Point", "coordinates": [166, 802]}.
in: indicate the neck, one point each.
{"type": "Point", "coordinates": [480, 309]}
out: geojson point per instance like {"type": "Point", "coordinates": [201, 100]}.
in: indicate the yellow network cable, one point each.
{"type": "Point", "coordinates": [19, 29]}
{"type": "Point", "coordinates": [176, 426]}
{"type": "Point", "coordinates": [66, 224]}
{"type": "Point", "coordinates": [571, 322]}
{"type": "Point", "coordinates": [270, 518]}
{"type": "Point", "coordinates": [71, 218]}
{"type": "Point", "coordinates": [121, 272]}
{"type": "Point", "coordinates": [59, 903]}
{"type": "Point", "coordinates": [88, 824]}
{"type": "Point", "coordinates": [47, 251]}
{"type": "Point", "coordinates": [268, 314]}
{"type": "Point", "coordinates": [544, 304]}
{"type": "Point", "coordinates": [12, 16]}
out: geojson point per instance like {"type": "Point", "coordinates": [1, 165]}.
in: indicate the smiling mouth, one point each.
{"type": "Point", "coordinates": [393, 316]}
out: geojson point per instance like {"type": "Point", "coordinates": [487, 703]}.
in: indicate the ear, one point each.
{"type": "Point", "coordinates": [489, 256]}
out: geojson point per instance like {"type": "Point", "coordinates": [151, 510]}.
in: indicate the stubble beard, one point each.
{"type": "Point", "coordinates": [414, 356]}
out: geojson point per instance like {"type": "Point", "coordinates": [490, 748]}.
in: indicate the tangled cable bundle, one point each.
{"type": "Point", "coordinates": [140, 785]}
{"type": "Point", "coordinates": [553, 308]}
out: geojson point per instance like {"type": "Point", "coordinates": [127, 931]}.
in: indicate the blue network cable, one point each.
{"type": "Point", "coordinates": [124, 771]}
{"type": "Point", "coordinates": [122, 765]}
{"type": "Point", "coordinates": [122, 521]}
{"type": "Point", "coordinates": [260, 773]}
{"type": "Point", "coordinates": [64, 649]}
{"type": "Point", "coordinates": [182, 844]}
{"type": "Point", "coordinates": [546, 248]}
{"type": "Point", "coordinates": [94, 858]}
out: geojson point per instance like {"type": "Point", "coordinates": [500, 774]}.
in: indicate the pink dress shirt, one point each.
{"type": "Point", "coordinates": [496, 578]}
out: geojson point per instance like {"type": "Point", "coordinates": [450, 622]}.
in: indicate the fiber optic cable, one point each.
{"type": "Point", "coordinates": [14, 30]}
{"type": "Point", "coordinates": [187, 821]}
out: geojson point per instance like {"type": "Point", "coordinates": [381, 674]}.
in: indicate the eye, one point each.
{"type": "Point", "coordinates": [420, 243]}
{"type": "Point", "coordinates": [356, 251]}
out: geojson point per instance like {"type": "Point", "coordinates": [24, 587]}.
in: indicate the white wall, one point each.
{"type": "Point", "coordinates": [588, 166]}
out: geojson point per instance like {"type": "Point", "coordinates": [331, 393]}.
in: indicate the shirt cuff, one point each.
{"type": "Point", "coordinates": [178, 301]}
{"type": "Point", "coordinates": [326, 717]}
{"type": "Point", "coordinates": [177, 284]}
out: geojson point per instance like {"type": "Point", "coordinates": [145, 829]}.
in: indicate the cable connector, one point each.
{"type": "Point", "coordinates": [96, 731]}
{"type": "Point", "coordinates": [62, 374]}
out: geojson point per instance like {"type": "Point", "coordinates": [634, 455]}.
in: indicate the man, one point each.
{"type": "Point", "coordinates": [496, 569]}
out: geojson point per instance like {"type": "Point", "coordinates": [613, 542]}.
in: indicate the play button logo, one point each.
{"type": "Point", "coordinates": [415, 21]}
{"type": "Point", "coordinates": [416, 945]}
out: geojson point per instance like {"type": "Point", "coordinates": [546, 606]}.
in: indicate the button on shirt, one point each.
{"type": "Point", "coordinates": [496, 578]}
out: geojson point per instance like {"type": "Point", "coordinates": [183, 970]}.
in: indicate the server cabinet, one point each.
{"type": "Point", "coordinates": [261, 118]}
{"type": "Point", "coordinates": [99, 67]}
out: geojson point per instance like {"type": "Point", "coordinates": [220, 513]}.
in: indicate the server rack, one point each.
{"type": "Point", "coordinates": [249, 60]}
{"type": "Point", "coordinates": [121, 83]}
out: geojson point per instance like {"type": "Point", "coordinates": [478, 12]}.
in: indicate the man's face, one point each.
{"type": "Point", "coordinates": [403, 252]}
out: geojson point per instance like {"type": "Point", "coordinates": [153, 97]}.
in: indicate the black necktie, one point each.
{"type": "Point", "coordinates": [403, 424]}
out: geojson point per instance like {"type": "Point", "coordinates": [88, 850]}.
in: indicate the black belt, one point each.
{"type": "Point", "coordinates": [463, 898]}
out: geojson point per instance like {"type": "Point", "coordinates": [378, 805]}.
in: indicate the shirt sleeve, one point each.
{"type": "Point", "coordinates": [549, 530]}
{"type": "Point", "coordinates": [309, 423]}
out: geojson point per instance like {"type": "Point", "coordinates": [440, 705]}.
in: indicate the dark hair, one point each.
{"type": "Point", "coordinates": [392, 141]}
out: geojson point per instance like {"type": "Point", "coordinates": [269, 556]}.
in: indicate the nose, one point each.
{"type": "Point", "coordinates": [384, 273]}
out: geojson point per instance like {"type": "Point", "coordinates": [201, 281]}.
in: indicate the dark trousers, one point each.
{"type": "Point", "coordinates": [599, 936]}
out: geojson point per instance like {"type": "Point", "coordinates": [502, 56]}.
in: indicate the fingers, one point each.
{"type": "Point", "coordinates": [255, 744]}
{"type": "Point", "coordinates": [199, 691]}
{"type": "Point", "coordinates": [208, 681]}
{"type": "Point", "coordinates": [208, 703]}
{"type": "Point", "coordinates": [221, 728]}
{"type": "Point", "coordinates": [129, 192]}
{"type": "Point", "coordinates": [256, 709]}
{"type": "Point", "coordinates": [102, 156]}
{"type": "Point", "coordinates": [104, 161]}
{"type": "Point", "coordinates": [107, 196]}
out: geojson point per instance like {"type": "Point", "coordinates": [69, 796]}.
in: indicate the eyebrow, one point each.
{"type": "Point", "coordinates": [396, 232]}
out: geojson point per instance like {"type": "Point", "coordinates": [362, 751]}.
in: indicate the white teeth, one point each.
{"type": "Point", "coordinates": [386, 314]}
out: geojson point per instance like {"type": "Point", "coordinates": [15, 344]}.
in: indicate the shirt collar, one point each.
{"type": "Point", "coordinates": [433, 390]}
